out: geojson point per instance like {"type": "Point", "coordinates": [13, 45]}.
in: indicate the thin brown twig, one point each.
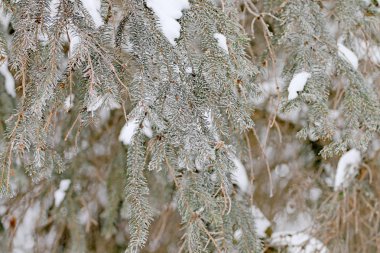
{"type": "Point", "coordinates": [266, 163]}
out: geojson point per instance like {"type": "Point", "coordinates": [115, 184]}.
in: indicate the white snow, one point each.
{"type": "Point", "coordinates": [315, 193]}
{"type": "Point", "coordinates": [64, 185]}
{"type": "Point", "coordinates": [366, 51]}
{"type": "Point", "coordinates": [348, 55]}
{"type": "Point", "coordinates": [95, 104]}
{"type": "Point", "coordinates": [297, 84]}
{"type": "Point", "coordinates": [290, 207]}
{"type": "Point", "coordinates": [110, 102]}
{"type": "Point", "coordinates": [261, 222]}
{"type": "Point", "coordinates": [107, 101]}
{"type": "Point", "coordinates": [95, 101]}
{"type": "Point", "coordinates": [23, 241]}
{"type": "Point", "coordinates": [208, 116]}
{"type": "Point", "coordinates": [238, 233]}
{"type": "Point", "coordinates": [367, 2]}
{"type": "Point", "coordinates": [84, 216]}
{"type": "Point", "coordinates": [374, 54]}
{"type": "Point", "coordinates": [5, 18]}
{"type": "Point", "coordinates": [189, 70]}
{"type": "Point", "coordinates": [210, 124]}
{"type": "Point", "coordinates": [168, 12]}
{"type": "Point", "coordinates": [43, 38]}
{"type": "Point", "coordinates": [50, 238]}
{"type": "Point", "coordinates": [59, 194]}
{"type": "Point", "coordinates": [128, 131]}
{"type": "Point", "coordinates": [69, 102]}
{"type": "Point", "coordinates": [3, 209]}
{"type": "Point", "coordinates": [93, 8]}
{"type": "Point", "coordinates": [360, 47]}
{"type": "Point", "coordinates": [239, 175]}
{"type": "Point", "coordinates": [292, 218]}
{"type": "Point", "coordinates": [298, 242]}
{"type": "Point", "coordinates": [9, 80]}
{"type": "Point", "coordinates": [329, 177]}
{"type": "Point", "coordinates": [131, 126]}
{"type": "Point", "coordinates": [147, 128]}
{"type": "Point", "coordinates": [54, 8]}
{"type": "Point", "coordinates": [74, 41]}
{"type": "Point", "coordinates": [347, 169]}
{"type": "Point", "coordinates": [282, 170]}
{"type": "Point", "coordinates": [222, 41]}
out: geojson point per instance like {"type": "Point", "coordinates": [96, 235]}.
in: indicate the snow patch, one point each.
{"type": "Point", "coordinates": [210, 124]}
{"type": "Point", "coordinates": [130, 128]}
{"type": "Point", "coordinates": [360, 47]}
{"type": "Point", "coordinates": [9, 80]}
{"type": "Point", "coordinates": [107, 101]}
{"type": "Point", "coordinates": [110, 102]}
{"type": "Point", "coordinates": [84, 216]}
{"type": "Point", "coordinates": [347, 169]}
{"type": "Point", "coordinates": [60, 194]}
{"type": "Point", "coordinates": [297, 84]}
{"type": "Point", "coordinates": [222, 41]}
{"type": "Point", "coordinates": [374, 54]}
{"type": "Point", "coordinates": [5, 18]}
{"type": "Point", "coordinates": [189, 70]}
{"type": "Point", "coordinates": [239, 175]}
{"type": "Point", "coordinates": [238, 233]}
{"type": "Point", "coordinates": [74, 41]}
{"type": "Point", "coordinates": [314, 194]}
{"type": "Point", "coordinates": [54, 4]}
{"type": "Point", "coordinates": [366, 51]}
{"type": "Point", "coordinates": [69, 102]}
{"type": "Point", "coordinates": [93, 8]}
{"type": "Point", "coordinates": [147, 128]}
{"type": "Point", "coordinates": [50, 238]}
{"type": "Point", "coordinates": [348, 55]}
{"type": "Point", "coordinates": [208, 116]}
{"type": "Point", "coordinates": [23, 241]}
{"type": "Point", "coordinates": [292, 219]}
{"type": "Point", "coordinates": [43, 38]}
{"type": "Point", "coordinates": [261, 222]}
{"type": "Point", "coordinates": [128, 131]}
{"type": "Point", "coordinates": [94, 101]}
{"type": "Point", "coordinates": [168, 12]}
{"type": "Point", "coordinates": [328, 176]}
{"type": "Point", "coordinates": [298, 242]}
{"type": "Point", "coordinates": [282, 170]}
{"type": "Point", "coordinates": [3, 210]}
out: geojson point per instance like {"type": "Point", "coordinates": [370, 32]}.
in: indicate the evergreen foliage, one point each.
{"type": "Point", "coordinates": [197, 160]}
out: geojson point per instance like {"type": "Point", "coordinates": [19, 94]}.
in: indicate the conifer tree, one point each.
{"type": "Point", "coordinates": [189, 126]}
